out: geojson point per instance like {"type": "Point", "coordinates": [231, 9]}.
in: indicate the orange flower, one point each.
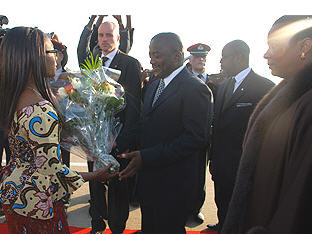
{"type": "Point", "coordinates": [69, 88]}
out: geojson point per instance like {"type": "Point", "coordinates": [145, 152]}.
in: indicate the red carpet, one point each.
{"type": "Point", "coordinates": [76, 230]}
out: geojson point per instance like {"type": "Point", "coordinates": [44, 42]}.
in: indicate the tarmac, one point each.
{"type": "Point", "coordinates": [78, 214]}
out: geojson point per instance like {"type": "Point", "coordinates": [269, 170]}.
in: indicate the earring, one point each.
{"type": "Point", "coordinates": [302, 56]}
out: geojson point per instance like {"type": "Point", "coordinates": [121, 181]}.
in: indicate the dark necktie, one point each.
{"type": "Point", "coordinates": [159, 90]}
{"type": "Point", "coordinates": [104, 59]}
{"type": "Point", "coordinates": [200, 76]}
{"type": "Point", "coordinates": [228, 92]}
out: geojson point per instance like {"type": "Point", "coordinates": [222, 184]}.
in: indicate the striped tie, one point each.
{"type": "Point", "coordinates": [159, 90]}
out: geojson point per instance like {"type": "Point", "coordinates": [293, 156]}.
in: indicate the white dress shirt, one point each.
{"type": "Point", "coordinates": [169, 78]}
{"type": "Point", "coordinates": [239, 78]}
{"type": "Point", "coordinates": [110, 57]}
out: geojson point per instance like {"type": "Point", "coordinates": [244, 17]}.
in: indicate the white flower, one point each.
{"type": "Point", "coordinates": [76, 83]}
{"type": "Point", "coordinates": [62, 92]}
{"type": "Point", "coordinates": [111, 89]}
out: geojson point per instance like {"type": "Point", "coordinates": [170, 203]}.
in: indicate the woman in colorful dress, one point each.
{"type": "Point", "coordinates": [35, 180]}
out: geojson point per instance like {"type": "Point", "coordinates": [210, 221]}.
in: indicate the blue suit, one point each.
{"type": "Point", "coordinates": [174, 132]}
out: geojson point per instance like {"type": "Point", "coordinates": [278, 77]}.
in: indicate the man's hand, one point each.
{"type": "Point", "coordinates": [134, 165]}
{"type": "Point", "coordinates": [119, 20]}
{"type": "Point", "coordinates": [128, 22]}
{"type": "Point", "coordinates": [100, 20]}
{"type": "Point", "coordinates": [91, 20]}
{"type": "Point", "coordinates": [104, 174]}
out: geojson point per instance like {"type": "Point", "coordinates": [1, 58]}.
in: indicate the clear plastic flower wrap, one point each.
{"type": "Point", "coordinates": [89, 104]}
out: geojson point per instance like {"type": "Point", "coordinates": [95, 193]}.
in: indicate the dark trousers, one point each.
{"type": "Point", "coordinates": [117, 209]}
{"type": "Point", "coordinates": [97, 196]}
{"type": "Point", "coordinates": [201, 193]}
{"type": "Point", "coordinates": [223, 194]}
{"type": "Point", "coordinates": [163, 219]}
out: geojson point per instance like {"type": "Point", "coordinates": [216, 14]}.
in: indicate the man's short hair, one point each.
{"type": "Point", "coordinates": [172, 40]}
{"type": "Point", "coordinates": [239, 47]}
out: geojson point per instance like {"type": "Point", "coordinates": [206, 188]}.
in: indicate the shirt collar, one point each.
{"type": "Point", "coordinates": [169, 78]}
{"type": "Point", "coordinates": [203, 76]}
{"type": "Point", "coordinates": [242, 75]}
{"type": "Point", "coordinates": [111, 55]}
{"type": "Point", "coordinates": [196, 74]}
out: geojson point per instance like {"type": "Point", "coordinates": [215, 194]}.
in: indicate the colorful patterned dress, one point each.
{"type": "Point", "coordinates": [35, 180]}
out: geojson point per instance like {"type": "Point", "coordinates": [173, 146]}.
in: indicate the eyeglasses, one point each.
{"type": "Point", "coordinates": [51, 51]}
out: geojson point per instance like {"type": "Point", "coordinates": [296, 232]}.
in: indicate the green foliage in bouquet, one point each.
{"type": "Point", "coordinates": [92, 63]}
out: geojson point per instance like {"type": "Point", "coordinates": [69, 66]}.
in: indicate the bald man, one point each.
{"type": "Point", "coordinates": [175, 125]}
{"type": "Point", "coordinates": [117, 209]}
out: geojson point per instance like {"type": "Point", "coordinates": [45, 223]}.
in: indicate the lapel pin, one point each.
{"type": "Point", "coordinates": [242, 89]}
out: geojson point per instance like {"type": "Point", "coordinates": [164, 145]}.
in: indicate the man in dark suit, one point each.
{"type": "Point", "coordinates": [234, 102]}
{"type": "Point", "coordinates": [197, 61]}
{"type": "Point", "coordinates": [175, 124]}
{"type": "Point", "coordinates": [117, 209]}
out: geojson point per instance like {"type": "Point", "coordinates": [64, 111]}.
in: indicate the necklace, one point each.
{"type": "Point", "coordinates": [35, 91]}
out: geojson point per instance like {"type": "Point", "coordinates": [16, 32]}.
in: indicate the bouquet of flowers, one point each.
{"type": "Point", "coordinates": [89, 104]}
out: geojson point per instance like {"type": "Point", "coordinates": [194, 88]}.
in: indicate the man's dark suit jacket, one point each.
{"type": "Point", "coordinates": [174, 132]}
{"type": "Point", "coordinates": [130, 79]}
{"type": "Point", "coordinates": [229, 125]}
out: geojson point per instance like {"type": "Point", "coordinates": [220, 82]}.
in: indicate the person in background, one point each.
{"type": "Point", "coordinates": [35, 180]}
{"type": "Point", "coordinates": [116, 210]}
{"type": "Point", "coordinates": [126, 33]}
{"type": "Point", "coordinates": [272, 191]}
{"type": "Point", "coordinates": [197, 61]}
{"type": "Point", "coordinates": [60, 80]}
{"type": "Point", "coordinates": [235, 100]}
{"type": "Point", "coordinates": [148, 76]}
{"type": "Point", "coordinates": [89, 37]}
{"type": "Point", "coordinates": [176, 117]}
